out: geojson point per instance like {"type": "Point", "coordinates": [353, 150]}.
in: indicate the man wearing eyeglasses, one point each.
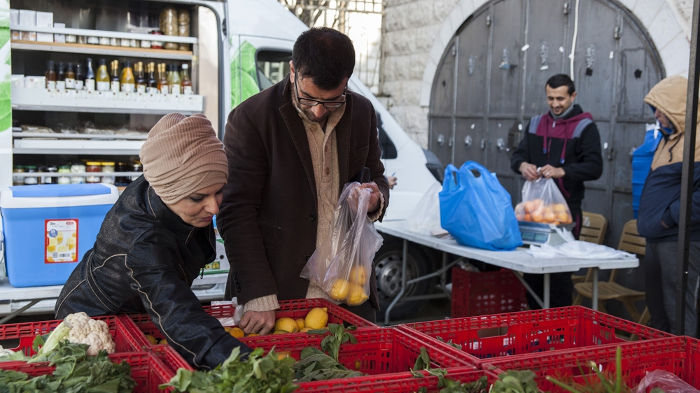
{"type": "Point", "coordinates": [291, 148]}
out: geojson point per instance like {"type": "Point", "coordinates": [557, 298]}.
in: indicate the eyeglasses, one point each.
{"type": "Point", "coordinates": [312, 102]}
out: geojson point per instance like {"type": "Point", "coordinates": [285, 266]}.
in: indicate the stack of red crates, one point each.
{"type": "Point", "coordinates": [559, 343]}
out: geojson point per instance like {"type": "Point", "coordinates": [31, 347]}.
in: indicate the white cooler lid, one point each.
{"type": "Point", "coordinates": [58, 195]}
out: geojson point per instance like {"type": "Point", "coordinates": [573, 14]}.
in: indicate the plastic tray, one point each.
{"type": "Point", "coordinates": [146, 369]}
{"type": "Point", "coordinates": [395, 383]}
{"type": "Point", "coordinates": [288, 308]}
{"type": "Point", "coordinates": [120, 327]}
{"type": "Point", "coordinates": [484, 293]}
{"type": "Point", "coordinates": [678, 355]}
{"type": "Point", "coordinates": [522, 333]}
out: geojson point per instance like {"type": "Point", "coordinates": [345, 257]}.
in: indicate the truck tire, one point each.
{"type": "Point", "coordinates": [387, 265]}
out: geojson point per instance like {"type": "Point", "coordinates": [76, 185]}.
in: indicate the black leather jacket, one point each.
{"type": "Point", "coordinates": [144, 260]}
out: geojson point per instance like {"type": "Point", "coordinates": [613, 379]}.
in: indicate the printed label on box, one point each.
{"type": "Point", "coordinates": [61, 241]}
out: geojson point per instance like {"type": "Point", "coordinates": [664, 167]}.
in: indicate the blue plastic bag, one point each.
{"type": "Point", "coordinates": [477, 210]}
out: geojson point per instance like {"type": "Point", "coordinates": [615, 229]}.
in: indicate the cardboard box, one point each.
{"type": "Point", "coordinates": [59, 37]}
{"type": "Point", "coordinates": [27, 18]}
{"type": "Point", "coordinates": [44, 19]}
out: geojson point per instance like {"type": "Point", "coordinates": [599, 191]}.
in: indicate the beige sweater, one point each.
{"type": "Point", "coordinates": [324, 155]}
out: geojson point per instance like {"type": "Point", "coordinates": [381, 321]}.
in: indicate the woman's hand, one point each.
{"type": "Point", "coordinates": [261, 322]}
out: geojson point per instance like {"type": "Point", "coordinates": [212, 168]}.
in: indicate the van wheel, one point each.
{"type": "Point", "coordinates": [387, 262]}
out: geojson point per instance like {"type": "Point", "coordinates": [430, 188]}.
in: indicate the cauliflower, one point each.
{"type": "Point", "coordinates": [5, 352]}
{"type": "Point", "coordinates": [81, 329]}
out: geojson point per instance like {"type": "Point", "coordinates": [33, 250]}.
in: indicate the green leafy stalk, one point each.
{"type": "Point", "coordinates": [332, 342]}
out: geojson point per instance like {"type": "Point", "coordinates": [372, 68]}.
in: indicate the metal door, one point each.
{"type": "Point", "coordinates": [506, 51]}
{"type": "Point", "coordinates": [441, 135]}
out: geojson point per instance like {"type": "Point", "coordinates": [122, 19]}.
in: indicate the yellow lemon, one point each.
{"type": "Point", "coordinates": [316, 318]}
{"type": "Point", "coordinates": [236, 332]}
{"type": "Point", "coordinates": [358, 275]}
{"type": "Point", "coordinates": [227, 328]}
{"type": "Point", "coordinates": [286, 324]}
{"type": "Point", "coordinates": [280, 332]}
{"type": "Point", "coordinates": [339, 290]}
{"type": "Point", "coordinates": [306, 329]}
{"type": "Point", "coordinates": [357, 295]}
{"type": "Point", "coordinates": [300, 324]}
{"type": "Point", "coordinates": [151, 339]}
{"type": "Point", "coordinates": [283, 354]}
{"type": "Point", "coordinates": [252, 335]}
{"type": "Point", "coordinates": [163, 342]}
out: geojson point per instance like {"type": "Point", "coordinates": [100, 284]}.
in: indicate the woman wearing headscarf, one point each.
{"type": "Point", "coordinates": [156, 239]}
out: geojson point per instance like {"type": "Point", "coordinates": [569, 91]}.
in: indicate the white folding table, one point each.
{"type": "Point", "coordinates": [518, 260]}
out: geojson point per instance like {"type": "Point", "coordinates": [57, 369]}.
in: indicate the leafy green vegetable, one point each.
{"type": "Point", "coordinates": [49, 344]}
{"type": "Point", "coordinates": [339, 335]}
{"type": "Point", "coordinates": [446, 385]}
{"type": "Point", "coordinates": [449, 342]}
{"type": "Point", "coordinates": [422, 362]}
{"type": "Point", "coordinates": [75, 372]}
{"type": "Point", "coordinates": [604, 384]}
{"type": "Point", "coordinates": [515, 382]}
{"type": "Point", "coordinates": [266, 374]}
{"type": "Point", "coordinates": [317, 366]}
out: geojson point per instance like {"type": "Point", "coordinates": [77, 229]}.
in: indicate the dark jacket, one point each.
{"type": "Point", "coordinates": [144, 260]}
{"type": "Point", "coordinates": [574, 146]}
{"type": "Point", "coordinates": [661, 200]}
{"type": "Point", "coordinates": [268, 215]}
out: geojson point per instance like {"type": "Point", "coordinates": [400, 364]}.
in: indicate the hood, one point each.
{"type": "Point", "coordinates": [669, 96]}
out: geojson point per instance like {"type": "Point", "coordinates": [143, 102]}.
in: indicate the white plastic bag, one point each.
{"type": "Point", "coordinates": [426, 216]}
{"type": "Point", "coordinates": [664, 380]}
{"type": "Point", "coordinates": [342, 266]}
{"type": "Point", "coordinates": [237, 313]}
{"type": "Point", "coordinates": [543, 202]}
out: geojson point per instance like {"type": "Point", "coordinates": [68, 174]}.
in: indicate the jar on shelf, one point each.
{"type": "Point", "coordinates": [29, 179]}
{"type": "Point", "coordinates": [82, 39]}
{"type": "Point", "coordinates": [122, 180]}
{"type": "Point", "coordinates": [50, 179]}
{"type": "Point", "coordinates": [108, 167]}
{"type": "Point", "coordinates": [156, 43]}
{"type": "Point", "coordinates": [17, 180]}
{"type": "Point", "coordinates": [169, 25]}
{"type": "Point", "coordinates": [71, 38]}
{"type": "Point", "coordinates": [77, 168]}
{"type": "Point", "coordinates": [63, 179]}
{"type": "Point", "coordinates": [136, 167]}
{"type": "Point", "coordinates": [104, 41]}
{"type": "Point", "coordinates": [93, 167]}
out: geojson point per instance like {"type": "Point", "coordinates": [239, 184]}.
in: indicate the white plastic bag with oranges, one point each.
{"type": "Point", "coordinates": [342, 266]}
{"type": "Point", "coordinates": [543, 202]}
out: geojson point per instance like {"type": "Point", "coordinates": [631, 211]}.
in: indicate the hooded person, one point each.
{"type": "Point", "coordinates": [659, 211]}
{"type": "Point", "coordinates": [157, 238]}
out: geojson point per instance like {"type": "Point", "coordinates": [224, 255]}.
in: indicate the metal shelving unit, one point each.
{"type": "Point", "coordinates": [102, 50]}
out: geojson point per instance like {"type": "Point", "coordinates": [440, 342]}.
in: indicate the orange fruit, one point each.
{"type": "Point", "coordinates": [236, 332]}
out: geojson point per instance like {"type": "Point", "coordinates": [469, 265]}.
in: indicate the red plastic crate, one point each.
{"type": "Point", "coordinates": [492, 336]}
{"type": "Point", "coordinates": [678, 355]}
{"type": "Point", "coordinates": [484, 293]}
{"type": "Point", "coordinates": [378, 351]}
{"type": "Point", "coordinates": [171, 358]}
{"type": "Point", "coordinates": [394, 383]}
{"type": "Point", "coordinates": [288, 308]}
{"type": "Point", "coordinates": [146, 369]}
{"type": "Point", "coordinates": [120, 328]}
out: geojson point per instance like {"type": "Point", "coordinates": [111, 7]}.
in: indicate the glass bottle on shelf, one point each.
{"type": "Point", "coordinates": [50, 75]}
{"type": "Point", "coordinates": [92, 167]}
{"type": "Point", "coordinates": [152, 83]}
{"type": "Point", "coordinates": [114, 80]}
{"type": "Point", "coordinates": [77, 167]}
{"type": "Point", "coordinates": [186, 82]}
{"type": "Point", "coordinates": [17, 180]}
{"type": "Point", "coordinates": [30, 180]}
{"type": "Point", "coordinates": [162, 79]}
{"type": "Point", "coordinates": [79, 77]}
{"type": "Point", "coordinates": [128, 82]}
{"type": "Point", "coordinates": [70, 77]}
{"type": "Point", "coordinates": [108, 167]}
{"type": "Point", "coordinates": [140, 78]}
{"type": "Point", "coordinates": [61, 77]}
{"type": "Point", "coordinates": [174, 82]}
{"type": "Point", "coordinates": [90, 76]}
{"type": "Point", "coordinates": [102, 77]}
{"type": "Point", "coordinates": [50, 179]}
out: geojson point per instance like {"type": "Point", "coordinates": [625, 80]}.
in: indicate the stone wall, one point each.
{"type": "Point", "coordinates": [414, 28]}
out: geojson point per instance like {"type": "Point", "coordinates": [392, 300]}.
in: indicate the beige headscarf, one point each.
{"type": "Point", "coordinates": [182, 155]}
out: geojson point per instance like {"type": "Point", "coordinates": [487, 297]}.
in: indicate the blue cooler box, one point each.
{"type": "Point", "coordinates": [48, 229]}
